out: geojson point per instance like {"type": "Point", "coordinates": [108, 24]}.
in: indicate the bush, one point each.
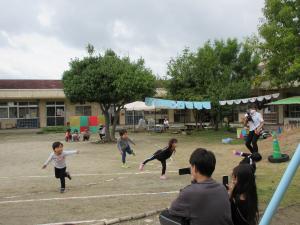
{"type": "Point", "coordinates": [56, 129]}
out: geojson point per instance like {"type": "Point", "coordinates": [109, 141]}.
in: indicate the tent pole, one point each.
{"type": "Point", "coordinates": [154, 118]}
{"type": "Point", "coordinates": [133, 121]}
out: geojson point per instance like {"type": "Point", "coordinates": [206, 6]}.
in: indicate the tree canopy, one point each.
{"type": "Point", "coordinates": [109, 80]}
{"type": "Point", "coordinates": [281, 46]}
{"type": "Point", "coordinates": [217, 71]}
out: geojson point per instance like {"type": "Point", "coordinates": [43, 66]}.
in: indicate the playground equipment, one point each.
{"type": "Point", "coordinates": [281, 189]}
{"type": "Point", "coordinates": [277, 156]}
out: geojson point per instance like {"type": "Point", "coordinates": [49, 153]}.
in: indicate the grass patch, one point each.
{"type": "Point", "coordinates": [55, 129]}
{"type": "Point", "coordinates": [211, 136]}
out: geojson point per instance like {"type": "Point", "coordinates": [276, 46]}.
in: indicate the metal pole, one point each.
{"type": "Point", "coordinates": [282, 187]}
{"type": "Point", "coordinates": [154, 119]}
{"type": "Point", "coordinates": [133, 121]}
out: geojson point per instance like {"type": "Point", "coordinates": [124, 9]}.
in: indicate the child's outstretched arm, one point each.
{"type": "Point", "coordinates": [71, 152]}
{"type": "Point", "coordinates": [47, 161]}
{"type": "Point", "coordinates": [243, 154]}
{"type": "Point", "coordinates": [131, 141]}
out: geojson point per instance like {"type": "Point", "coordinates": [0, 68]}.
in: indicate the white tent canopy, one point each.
{"type": "Point", "coordinates": [138, 106]}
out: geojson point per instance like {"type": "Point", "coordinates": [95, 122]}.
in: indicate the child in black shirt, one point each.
{"type": "Point", "coordinates": [162, 155]}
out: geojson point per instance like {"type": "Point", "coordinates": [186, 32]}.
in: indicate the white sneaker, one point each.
{"type": "Point", "coordinates": [163, 177]}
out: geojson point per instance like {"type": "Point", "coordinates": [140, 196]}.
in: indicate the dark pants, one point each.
{"type": "Point", "coordinates": [165, 218]}
{"type": "Point", "coordinates": [86, 137]}
{"type": "Point", "coordinates": [163, 163]}
{"type": "Point", "coordinates": [101, 136]}
{"type": "Point", "coordinates": [61, 174]}
{"type": "Point", "coordinates": [126, 150]}
{"type": "Point", "coordinates": [251, 141]}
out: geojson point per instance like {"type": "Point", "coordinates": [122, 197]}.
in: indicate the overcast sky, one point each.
{"type": "Point", "coordinates": [38, 38]}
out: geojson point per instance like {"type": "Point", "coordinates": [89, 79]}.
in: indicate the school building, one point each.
{"type": "Point", "coordinates": [42, 103]}
{"type": "Point", "coordinates": [38, 103]}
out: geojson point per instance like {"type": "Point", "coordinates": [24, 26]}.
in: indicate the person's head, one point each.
{"type": "Point", "coordinates": [69, 130]}
{"type": "Point", "coordinates": [202, 162]}
{"type": "Point", "coordinates": [173, 143]}
{"type": "Point", "coordinates": [252, 108]}
{"type": "Point", "coordinates": [123, 134]}
{"type": "Point", "coordinates": [243, 180]}
{"type": "Point", "coordinates": [57, 147]}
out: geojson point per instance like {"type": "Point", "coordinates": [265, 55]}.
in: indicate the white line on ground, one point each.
{"type": "Point", "coordinates": [93, 174]}
{"type": "Point", "coordinates": [73, 222]}
{"type": "Point", "coordinates": [87, 197]}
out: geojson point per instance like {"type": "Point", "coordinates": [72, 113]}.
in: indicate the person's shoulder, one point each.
{"type": "Point", "coordinates": [188, 190]}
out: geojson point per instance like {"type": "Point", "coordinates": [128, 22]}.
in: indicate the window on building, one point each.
{"type": "Point", "coordinates": [179, 116]}
{"type": "Point", "coordinates": [135, 117]}
{"type": "Point", "coordinates": [28, 110]}
{"type": "Point", "coordinates": [83, 110]}
{"type": "Point", "coordinates": [55, 113]}
{"type": "Point", "coordinates": [13, 112]}
{"type": "Point", "coordinates": [3, 112]}
{"type": "Point", "coordinates": [21, 110]}
{"type": "Point", "coordinates": [293, 111]}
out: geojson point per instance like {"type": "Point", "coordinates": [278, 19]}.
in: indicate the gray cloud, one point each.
{"type": "Point", "coordinates": [34, 30]}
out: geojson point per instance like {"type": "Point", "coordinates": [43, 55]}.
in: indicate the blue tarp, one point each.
{"type": "Point", "coordinates": [189, 105]}
{"type": "Point", "coordinates": [171, 104]}
{"type": "Point", "coordinates": [180, 105]}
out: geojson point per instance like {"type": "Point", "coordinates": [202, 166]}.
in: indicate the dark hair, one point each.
{"type": "Point", "coordinates": [204, 161]}
{"type": "Point", "coordinates": [56, 144]}
{"type": "Point", "coordinates": [171, 142]}
{"type": "Point", "coordinates": [246, 186]}
{"type": "Point", "coordinates": [68, 130]}
{"type": "Point", "coordinates": [122, 132]}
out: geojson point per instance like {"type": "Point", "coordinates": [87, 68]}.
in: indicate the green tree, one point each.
{"type": "Point", "coordinates": [281, 33]}
{"type": "Point", "coordinates": [109, 80]}
{"type": "Point", "coordinates": [218, 71]}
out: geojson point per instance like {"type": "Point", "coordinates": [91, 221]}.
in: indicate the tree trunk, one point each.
{"type": "Point", "coordinates": [196, 117]}
{"type": "Point", "coordinates": [115, 122]}
{"type": "Point", "coordinates": [107, 126]}
{"type": "Point", "coordinates": [216, 120]}
{"type": "Point", "coordinates": [105, 110]}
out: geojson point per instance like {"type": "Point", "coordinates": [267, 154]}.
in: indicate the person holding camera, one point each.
{"type": "Point", "coordinates": [204, 201]}
{"type": "Point", "coordinates": [255, 122]}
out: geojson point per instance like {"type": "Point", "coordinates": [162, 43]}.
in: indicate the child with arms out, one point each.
{"type": "Point", "coordinates": [58, 156]}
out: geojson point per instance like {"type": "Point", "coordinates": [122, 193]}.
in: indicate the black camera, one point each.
{"type": "Point", "coordinates": [184, 171]}
{"type": "Point", "coordinates": [249, 117]}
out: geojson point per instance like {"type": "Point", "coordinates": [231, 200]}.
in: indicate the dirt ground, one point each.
{"type": "Point", "coordinates": [101, 189]}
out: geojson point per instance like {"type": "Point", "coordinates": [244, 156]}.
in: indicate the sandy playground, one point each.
{"type": "Point", "coordinates": [102, 190]}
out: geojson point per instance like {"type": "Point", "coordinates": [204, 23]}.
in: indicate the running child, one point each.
{"type": "Point", "coordinates": [124, 146]}
{"type": "Point", "coordinates": [58, 156]}
{"type": "Point", "coordinates": [162, 155]}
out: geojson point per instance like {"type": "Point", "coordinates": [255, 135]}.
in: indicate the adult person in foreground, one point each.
{"type": "Point", "coordinates": [254, 121]}
{"type": "Point", "coordinates": [204, 201]}
{"type": "Point", "coordinates": [243, 196]}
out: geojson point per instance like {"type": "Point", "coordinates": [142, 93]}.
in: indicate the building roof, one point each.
{"type": "Point", "coordinates": [31, 84]}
